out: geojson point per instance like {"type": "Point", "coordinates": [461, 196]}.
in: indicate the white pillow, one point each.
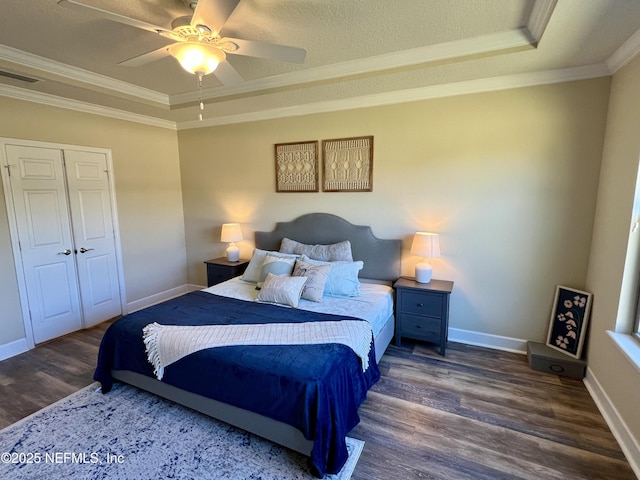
{"type": "Point", "coordinates": [316, 279]}
{"type": "Point", "coordinates": [326, 253]}
{"type": "Point", "coordinates": [254, 269]}
{"type": "Point", "coordinates": [282, 290]}
{"type": "Point", "coordinates": [343, 277]}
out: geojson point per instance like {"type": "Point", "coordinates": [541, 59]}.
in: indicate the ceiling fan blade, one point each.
{"type": "Point", "coordinates": [145, 58]}
{"type": "Point", "coordinates": [213, 13]}
{"type": "Point", "coordinates": [115, 17]}
{"type": "Point", "coordinates": [227, 74]}
{"type": "Point", "coordinates": [267, 50]}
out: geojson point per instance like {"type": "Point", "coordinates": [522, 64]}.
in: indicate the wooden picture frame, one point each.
{"type": "Point", "coordinates": [297, 167]}
{"type": "Point", "coordinates": [347, 164]}
{"type": "Point", "coordinates": [569, 320]}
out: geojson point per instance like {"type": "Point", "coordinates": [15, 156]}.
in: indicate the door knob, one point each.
{"type": "Point", "coordinates": [84, 250]}
{"type": "Point", "coordinates": [65, 252]}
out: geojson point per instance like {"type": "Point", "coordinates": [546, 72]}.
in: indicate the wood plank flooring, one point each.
{"type": "Point", "coordinates": [474, 414]}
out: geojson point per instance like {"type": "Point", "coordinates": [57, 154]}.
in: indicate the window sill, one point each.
{"type": "Point", "coordinates": [628, 345]}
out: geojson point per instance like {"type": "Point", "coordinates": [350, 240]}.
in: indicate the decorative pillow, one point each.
{"type": "Point", "coordinates": [326, 253]}
{"type": "Point", "coordinates": [343, 277]}
{"type": "Point", "coordinates": [316, 278]}
{"type": "Point", "coordinates": [282, 290]}
{"type": "Point", "coordinates": [276, 264]}
{"type": "Point", "coordinates": [254, 269]}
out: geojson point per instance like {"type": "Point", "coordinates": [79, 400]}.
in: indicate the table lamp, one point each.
{"type": "Point", "coordinates": [231, 233]}
{"type": "Point", "coordinates": [425, 245]}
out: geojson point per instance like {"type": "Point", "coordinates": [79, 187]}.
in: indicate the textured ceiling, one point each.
{"type": "Point", "coordinates": [354, 48]}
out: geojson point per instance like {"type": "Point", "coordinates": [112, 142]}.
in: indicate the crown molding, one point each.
{"type": "Point", "coordinates": [79, 75]}
{"type": "Point", "coordinates": [484, 44]}
{"type": "Point", "coordinates": [412, 95]}
{"type": "Point", "coordinates": [627, 52]}
{"type": "Point", "coordinates": [402, 96]}
{"type": "Point", "coordinates": [539, 18]}
{"type": "Point", "coordinates": [60, 102]}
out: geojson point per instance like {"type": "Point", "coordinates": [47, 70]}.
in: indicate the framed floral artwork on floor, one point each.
{"type": "Point", "coordinates": [569, 319]}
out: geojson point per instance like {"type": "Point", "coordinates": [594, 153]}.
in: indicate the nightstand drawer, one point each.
{"type": "Point", "coordinates": [421, 328]}
{"type": "Point", "coordinates": [422, 303]}
{"type": "Point", "coordinates": [217, 275]}
{"type": "Point", "coordinates": [220, 270]}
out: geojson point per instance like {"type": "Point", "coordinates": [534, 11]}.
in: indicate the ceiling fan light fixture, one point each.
{"type": "Point", "coordinates": [197, 57]}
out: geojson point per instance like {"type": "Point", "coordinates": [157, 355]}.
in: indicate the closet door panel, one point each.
{"type": "Point", "coordinates": [46, 245]}
{"type": "Point", "coordinates": [91, 213]}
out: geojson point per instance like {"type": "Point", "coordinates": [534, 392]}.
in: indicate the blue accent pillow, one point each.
{"type": "Point", "coordinates": [343, 277]}
{"type": "Point", "coordinates": [254, 269]}
{"type": "Point", "coordinates": [276, 265]}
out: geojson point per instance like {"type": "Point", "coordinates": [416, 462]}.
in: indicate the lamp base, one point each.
{"type": "Point", "coordinates": [423, 272]}
{"type": "Point", "coordinates": [233, 253]}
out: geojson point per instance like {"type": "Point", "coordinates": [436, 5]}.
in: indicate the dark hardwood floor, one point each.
{"type": "Point", "coordinates": [474, 414]}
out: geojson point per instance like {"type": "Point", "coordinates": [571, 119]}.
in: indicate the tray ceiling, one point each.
{"type": "Point", "coordinates": [358, 52]}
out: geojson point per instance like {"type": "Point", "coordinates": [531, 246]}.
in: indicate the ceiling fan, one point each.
{"type": "Point", "coordinates": [198, 45]}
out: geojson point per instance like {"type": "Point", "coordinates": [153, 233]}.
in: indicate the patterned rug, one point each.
{"type": "Point", "coordinates": [130, 434]}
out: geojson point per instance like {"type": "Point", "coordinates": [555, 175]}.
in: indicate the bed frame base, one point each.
{"type": "Point", "coordinates": [265, 427]}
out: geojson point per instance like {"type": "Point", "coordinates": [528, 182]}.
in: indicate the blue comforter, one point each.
{"type": "Point", "coordinates": [315, 388]}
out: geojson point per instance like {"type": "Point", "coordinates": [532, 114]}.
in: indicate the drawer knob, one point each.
{"type": "Point", "coordinates": [421, 304]}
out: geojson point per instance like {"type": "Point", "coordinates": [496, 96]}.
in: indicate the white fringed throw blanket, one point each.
{"type": "Point", "coordinates": [166, 344]}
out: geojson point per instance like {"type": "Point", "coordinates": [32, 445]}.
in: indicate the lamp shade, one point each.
{"type": "Point", "coordinates": [425, 245]}
{"type": "Point", "coordinates": [231, 232]}
{"type": "Point", "coordinates": [197, 57]}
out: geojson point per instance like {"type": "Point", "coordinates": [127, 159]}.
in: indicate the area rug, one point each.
{"type": "Point", "coordinates": [131, 434]}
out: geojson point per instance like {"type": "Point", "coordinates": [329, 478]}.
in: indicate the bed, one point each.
{"type": "Point", "coordinates": [314, 414]}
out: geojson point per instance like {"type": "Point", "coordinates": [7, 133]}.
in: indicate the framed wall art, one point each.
{"type": "Point", "coordinates": [347, 164]}
{"type": "Point", "coordinates": [297, 167]}
{"type": "Point", "coordinates": [569, 319]}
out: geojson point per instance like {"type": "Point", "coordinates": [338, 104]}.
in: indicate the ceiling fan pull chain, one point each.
{"type": "Point", "coordinates": [200, 96]}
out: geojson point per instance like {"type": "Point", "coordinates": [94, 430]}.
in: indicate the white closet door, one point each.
{"type": "Point", "coordinates": [93, 232]}
{"type": "Point", "coordinates": [44, 230]}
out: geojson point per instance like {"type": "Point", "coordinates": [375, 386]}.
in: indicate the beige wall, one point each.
{"type": "Point", "coordinates": [148, 193]}
{"type": "Point", "coordinates": [614, 247]}
{"type": "Point", "coordinates": [509, 180]}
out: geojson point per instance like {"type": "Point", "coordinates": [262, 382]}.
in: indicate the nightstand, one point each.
{"type": "Point", "coordinates": [221, 269]}
{"type": "Point", "coordinates": [422, 310]}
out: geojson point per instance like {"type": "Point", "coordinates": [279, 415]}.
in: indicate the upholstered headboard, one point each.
{"type": "Point", "coordinates": [381, 257]}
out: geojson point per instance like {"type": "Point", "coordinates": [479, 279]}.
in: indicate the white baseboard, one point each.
{"type": "Point", "coordinates": [157, 298]}
{"type": "Point", "coordinates": [13, 348]}
{"type": "Point", "coordinates": [616, 423]}
{"type": "Point", "coordinates": [497, 342]}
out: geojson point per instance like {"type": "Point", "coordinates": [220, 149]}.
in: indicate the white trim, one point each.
{"type": "Point", "coordinates": [75, 75]}
{"type": "Point", "coordinates": [627, 52]}
{"type": "Point", "coordinates": [496, 342]}
{"type": "Point", "coordinates": [14, 348]}
{"type": "Point", "coordinates": [539, 18]}
{"type": "Point", "coordinates": [116, 230]}
{"type": "Point", "coordinates": [388, 98]}
{"type": "Point", "coordinates": [616, 423]}
{"type": "Point", "coordinates": [69, 104]}
{"type": "Point", "coordinates": [628, 345]}
{"type": "Point", "coordinates": [13, 234]}
{"type": "Point", "coordinates": [483, 44]}
{"type": "Point", "coordinates": [518, 80]}
{"type": "Point", "coordinates": [157, 298]}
